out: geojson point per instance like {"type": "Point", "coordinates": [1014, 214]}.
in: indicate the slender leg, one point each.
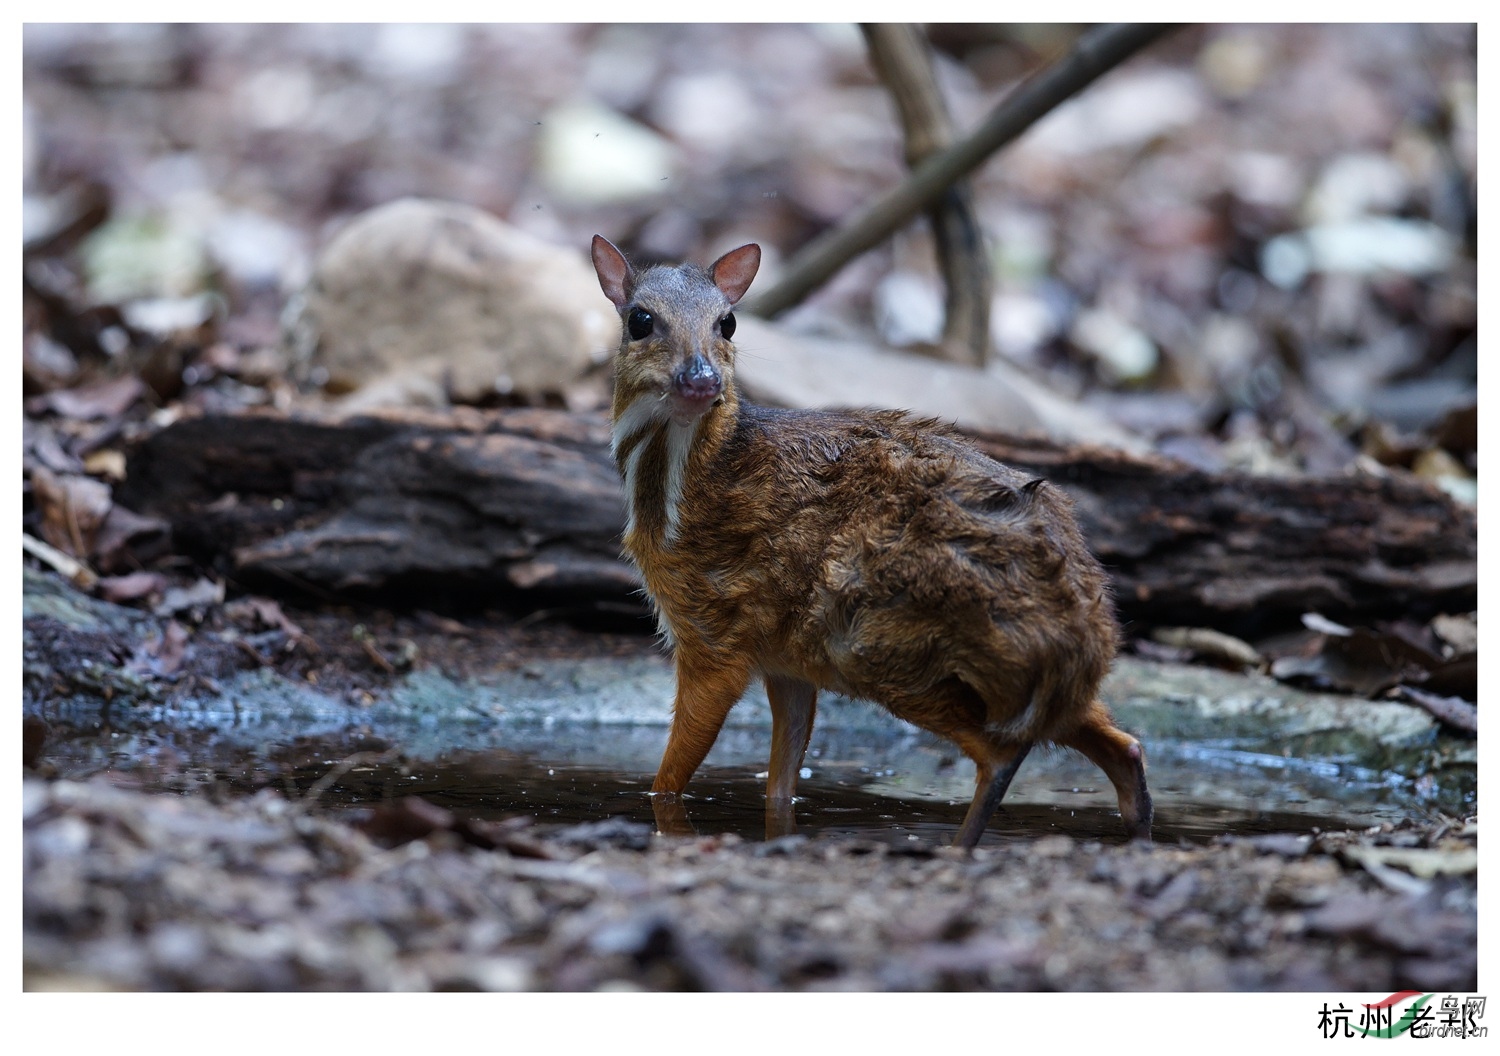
{"type": "Point", "coordinates": [990, 788]}
{"type": "Point", "coordinates": [705, 693]}
{"type": "Point", "coordinates": [793, 704]}
{"type": "Point", "coordinates": [1123, 760]}
{"type": "Point", "coordinates": [670, 815]}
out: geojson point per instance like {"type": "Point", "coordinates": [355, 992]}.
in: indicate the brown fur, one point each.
{"type": "Point", "coordinates": [870, 553]}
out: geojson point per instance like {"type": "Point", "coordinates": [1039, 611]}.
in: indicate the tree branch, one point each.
{"type": "Point", "coordinates": [1097, 52]}
{"type": "Point", "coordinates": [901, 56]}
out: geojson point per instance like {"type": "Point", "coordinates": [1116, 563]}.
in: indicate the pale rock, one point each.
{"type": "Point", "coordinates": [1021, 322]}
{"type": "Point", "coordinates": [420, 52]}
{"type": "Point", "coordinates": [1236, 62]}
{"type": "Point", "coordinates": [276, 97]}
{"type": "Point", "coordinates": [256, 249]}
{"type": "Point", "coordinates": [711, 111]}
{"type": "Point", "coordinates": [424, 301]}
{"type": "Point", "coordinates": [794, 370]}
{"type": "Point", "coordinates": [1265, 179]}
{"type": "Point", "coordinates": [1023, 242]}
{"type": "Point", "coordinates": [163, 316]}
{"type": "Point", "coordinates": [143, 255]}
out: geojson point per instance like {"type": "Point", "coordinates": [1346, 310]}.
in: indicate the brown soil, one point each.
{"type": "Point", "coordinates": [128, 890]}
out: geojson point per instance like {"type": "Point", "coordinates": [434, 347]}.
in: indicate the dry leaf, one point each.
{"type": "Point", "coordinates": [1422, 862]}
{"type": "Point", "coordinates": [127, 540]}
{"type": "Point", "coordinates": [200, 595]}
{"type": "Point", "coordinates": [132, 586]}
{"type": "Point", "coordinates": [101, 399]}
{"type": "Point", "coordinates": [1454, 711]}
{"type": "Point", "coordinates": [107, 463]}
{"type": "Point", "coordinates": [162, 656]}
{"type": "Point", "coordinates": [1358, 660]}
{"type": "Point", "coordinates": [1211, 644]}
{"type": "Point", "coordinates": [73, 509]}
{"type": "Point", "coordinates": [42, 447]}
{"type": "Point", "coordinates": [1317, 622]}
{"type": "Point", "coordinates": [261, 614]}
{"type": "Point", "coordinates": [1461, 632]}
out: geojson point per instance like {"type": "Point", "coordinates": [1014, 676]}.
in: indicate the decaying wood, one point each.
{"type": "Point", "coordinates": [901, 56]}
{"type": "Point", "coordinates": [1243, 553]}
{"type": "Point", "coordinates": [515, 501]}
{"type": "Point", "coordinates": [527, 504]}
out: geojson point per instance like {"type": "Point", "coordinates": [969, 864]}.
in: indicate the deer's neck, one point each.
{"type": "Point", "coordinates": [663, 462]}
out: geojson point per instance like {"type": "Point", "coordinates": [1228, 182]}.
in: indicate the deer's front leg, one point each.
{"type": "Point", "coordinates": [707, 687]}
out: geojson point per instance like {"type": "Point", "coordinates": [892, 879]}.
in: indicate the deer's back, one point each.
{"type": "Point", "coordinates": [878, 554]}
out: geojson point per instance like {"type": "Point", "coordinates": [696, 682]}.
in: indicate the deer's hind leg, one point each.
{"type": "Point", "coordinates": [1123, 761]}
{"type": "Point", "coordinates": [996, 769]}
{"type": "Point", "coordinates": [956, 712]}
{"type": "Point", "coordinates": [793, 705]}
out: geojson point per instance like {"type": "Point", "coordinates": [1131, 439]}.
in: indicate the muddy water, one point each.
{"type": "Point", "coordinates": [896, 789]}
{"type": "Point", "coordinates": [731, 799]}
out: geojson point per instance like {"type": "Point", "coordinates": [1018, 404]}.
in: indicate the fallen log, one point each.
{"type": "Point", "coordinates": [510, 501]}
{"type": "Point", "coordinates": [1247, 553]}
{"type": "Point", "coordinates": [525, 504]}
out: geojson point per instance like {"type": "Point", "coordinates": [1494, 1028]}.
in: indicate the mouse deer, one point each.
{"type": "Point", "coordinates": [872, 554]}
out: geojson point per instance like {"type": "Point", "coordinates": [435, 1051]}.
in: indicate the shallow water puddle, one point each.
{"type": "Point", "coordinates": [731, 799]}
{"type": "Point", "coordinates": [911, 792]}
{"type": "Point", "coordinates": [572, 741]}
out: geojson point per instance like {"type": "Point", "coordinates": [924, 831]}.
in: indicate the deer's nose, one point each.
{"type": "Point", "coordinates": [697, 379]}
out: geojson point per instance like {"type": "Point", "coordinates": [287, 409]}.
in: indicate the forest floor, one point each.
{"type": "Point", "coordinates": [133, 890]}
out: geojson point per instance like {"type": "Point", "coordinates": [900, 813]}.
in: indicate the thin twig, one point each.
{"type": "Point", "coordinates": [376, 656]}
{"type": "Point", "coordinates": [1097, 52]}
{"type": "Point", "coordinates": [81, 574]}
{"type": "Point", "coordinates": [903, 59]}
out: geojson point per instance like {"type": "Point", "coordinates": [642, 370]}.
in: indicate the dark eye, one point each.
{"type": "Point", "coordinates": [726, 326]}
{"type": "Point", "coordinates": [639, 323]}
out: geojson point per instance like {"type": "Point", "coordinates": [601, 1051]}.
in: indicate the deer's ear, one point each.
{"type": "Point", "coordinates": [613, 271]}
{"type": "Point", "coordinates": [734, 271]}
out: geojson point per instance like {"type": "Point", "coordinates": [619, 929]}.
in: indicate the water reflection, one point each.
{"type": "Point", "coordinates": [1198, 796]}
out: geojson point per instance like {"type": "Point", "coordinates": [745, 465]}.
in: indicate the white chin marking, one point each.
{"type": "Point", "coordinates": [679, 447]}
{"type": "Point", "coordinates": [631, 464]}
{"type": "Point", "coordinates": [642, 412]}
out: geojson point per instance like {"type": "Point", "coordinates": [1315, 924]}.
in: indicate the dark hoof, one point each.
{"type": "Point", "coordinates": [1145, 813]}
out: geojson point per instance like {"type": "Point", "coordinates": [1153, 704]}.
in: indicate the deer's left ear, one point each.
{"type": "Point", "coordinates": [734, 271]}
{"type": "Point", "coordinates": [613, 271]}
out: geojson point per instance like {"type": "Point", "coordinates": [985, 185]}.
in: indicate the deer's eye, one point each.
{"type": "Point", "coordinates": [639, 323]}
{"type": "Point", "coordinates": [726, 326]}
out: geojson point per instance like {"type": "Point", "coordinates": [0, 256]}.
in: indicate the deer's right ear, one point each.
{"type": "Point", "coordinates": [613, 270]}
{"type": "Point", "coordinates": [734, 271]}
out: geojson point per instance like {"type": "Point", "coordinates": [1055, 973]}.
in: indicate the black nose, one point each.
{"type": "Point", "coordinates": [698, 380]}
